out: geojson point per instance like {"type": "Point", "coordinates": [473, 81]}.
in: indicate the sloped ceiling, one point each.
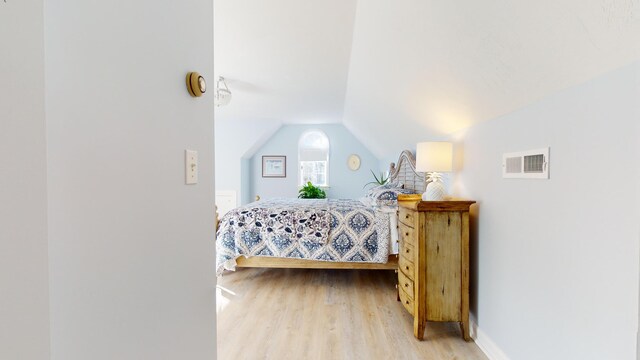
{"type": "Point", "coordinates": [432, 68]}
{"type": "Point", "coordinates": [284, 60]}
{"type": "Point", "coordinates": [412, 70]}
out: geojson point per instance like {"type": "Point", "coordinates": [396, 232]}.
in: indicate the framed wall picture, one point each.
{"type": "Point", "coordinates": [274, 166]}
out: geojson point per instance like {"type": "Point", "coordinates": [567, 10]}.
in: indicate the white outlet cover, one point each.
{"type": "Point", "coordinates": [191, 166]}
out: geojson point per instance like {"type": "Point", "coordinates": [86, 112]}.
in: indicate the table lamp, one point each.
{"type": "Point", "coordinates": [434, 158]}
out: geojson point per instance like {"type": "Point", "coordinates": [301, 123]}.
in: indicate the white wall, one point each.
{"type": "Point", "coordinates": [556, 261]}
{"type": "Point", "coordinates": [637, 200]}
{"type": "Point", "coordinates": [131, 247]}
{"type": "Point", "coordinates": [638, 192]}
{"type": "Point", "coordinates": [24, 294]}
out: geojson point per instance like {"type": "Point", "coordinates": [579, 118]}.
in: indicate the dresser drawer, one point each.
{"type": "Point", "coordinates": [406, 234]}
{"type": "Point", "coordinates": [406, 267]}
{"type": "Point", "coordinates": [406, 284]}
{"type": "Point", "coordinates": [406, 216]}
{"type": "Point", "coordinates": [407, 302]}
{"type": "Point", "coordinates": [408, 252]}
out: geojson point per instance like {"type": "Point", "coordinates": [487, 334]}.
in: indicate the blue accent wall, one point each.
{"type": "Point", "coordinates": [343, 182]}
{"type": "Point", "coordinates": [245, 181]}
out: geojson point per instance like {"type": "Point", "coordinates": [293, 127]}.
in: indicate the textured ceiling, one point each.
{"type": "Point", "coordinates": [428, 68]}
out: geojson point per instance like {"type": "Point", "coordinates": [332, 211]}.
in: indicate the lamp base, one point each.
{"type": "Point", "coordinates": [435, 192]}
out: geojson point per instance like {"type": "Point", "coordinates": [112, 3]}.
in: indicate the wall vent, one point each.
{"type": "Point", "coordinates": [514, 165]}
{"type": "Point", "coordinates": [530, 164]}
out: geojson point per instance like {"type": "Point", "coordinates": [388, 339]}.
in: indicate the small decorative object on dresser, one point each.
{"type": "Point", "coordinates": [433, 276]}
{"type": "Point", "coordinates": [434, 157]}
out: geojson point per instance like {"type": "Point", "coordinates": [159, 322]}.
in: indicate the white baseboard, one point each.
{"type": "Point", "coordinates": [485, 343]}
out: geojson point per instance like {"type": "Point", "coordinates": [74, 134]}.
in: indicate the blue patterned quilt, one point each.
{"type": "Point", "coordinates": [325, 230]}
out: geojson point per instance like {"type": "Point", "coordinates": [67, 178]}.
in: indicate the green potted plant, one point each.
{"type": "Point", "coordinates": [378, 180]}
{"type": "Point", "coordinates": [309, 191]}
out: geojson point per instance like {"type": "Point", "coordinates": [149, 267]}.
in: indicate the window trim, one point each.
{"type": "Point", "coordinates": [328, 155]}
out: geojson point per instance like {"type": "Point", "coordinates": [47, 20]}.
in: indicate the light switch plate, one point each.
{"type": "Point", "coordinates": [191, 166]}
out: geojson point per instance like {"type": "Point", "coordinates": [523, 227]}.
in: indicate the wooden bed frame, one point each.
{"type": "Point", "coordinates": [404, 172]}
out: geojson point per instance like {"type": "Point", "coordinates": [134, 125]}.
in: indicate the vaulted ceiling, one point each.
{"type": "Point", "coordinates": [284, 60]}
{"type": "Point", "coordinates": [412, 68]}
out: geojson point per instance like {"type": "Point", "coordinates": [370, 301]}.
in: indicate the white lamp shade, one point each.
{"type": "Point", "coordinates": [434, 156]}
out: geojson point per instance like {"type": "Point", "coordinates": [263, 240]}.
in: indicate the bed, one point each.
{"type": "Point", "coordinates": [319, 233]}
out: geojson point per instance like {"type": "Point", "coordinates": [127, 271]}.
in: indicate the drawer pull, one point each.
{"type": "Point", "coordinates": [406, 216]}
{"type": "Point", "coordinates": [407, 251]}
{"type": "Point", "coordinates": [406, 285]}
{"type": "Point", "coordinates": [406, 302]}
{"type": "Point", "coordinates": [406, 267]}
{"type": "Point", "coordinates": [406, 234]}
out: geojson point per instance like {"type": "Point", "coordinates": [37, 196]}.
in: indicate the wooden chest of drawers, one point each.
{"type": "Point", "coordinates": [433, 267]}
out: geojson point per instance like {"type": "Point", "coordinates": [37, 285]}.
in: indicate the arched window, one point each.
{"type": "Point", "coordinates": [313, 158]}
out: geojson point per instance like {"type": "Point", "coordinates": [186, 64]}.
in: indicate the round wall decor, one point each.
{"type": "Point", "coordinates": [353, 162]}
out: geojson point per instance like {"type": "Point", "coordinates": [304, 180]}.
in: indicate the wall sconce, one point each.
{"type": "Point", "coordinates": [223, 94]}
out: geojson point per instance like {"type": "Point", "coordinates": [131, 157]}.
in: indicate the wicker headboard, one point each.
{"type": "Point", "coordinates": [405, 172]}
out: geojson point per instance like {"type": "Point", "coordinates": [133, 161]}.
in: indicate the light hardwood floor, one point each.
{"type": "Point", "coordinates": [324, 314]}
